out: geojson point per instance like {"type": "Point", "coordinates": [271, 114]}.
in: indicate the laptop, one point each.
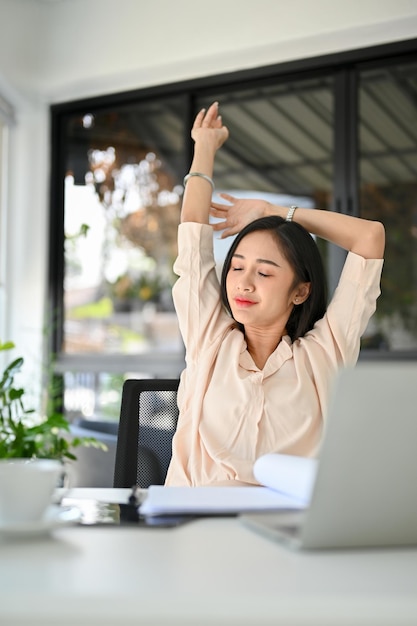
{"type": "Point", "coordinates": [365, 491]}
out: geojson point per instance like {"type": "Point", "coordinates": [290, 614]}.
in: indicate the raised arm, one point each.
{"type": "Point", "coordinates": [364, 237]}
{"type": "Point", "coordinates": [209, 134]}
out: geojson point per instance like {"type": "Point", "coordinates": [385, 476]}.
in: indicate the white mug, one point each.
{"type": "Point", "coordinates": [26, 488]}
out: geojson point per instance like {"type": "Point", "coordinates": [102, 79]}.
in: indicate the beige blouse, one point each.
{"type": "Point", "coordinates": [231, 412]}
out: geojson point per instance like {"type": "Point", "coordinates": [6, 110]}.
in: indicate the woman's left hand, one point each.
{"type": "Point", "coordinates": [208, 127]}
{"type": "Point", "coordinates": [238, 214]}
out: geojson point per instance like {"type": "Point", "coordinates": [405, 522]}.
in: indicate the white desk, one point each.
{"type": "Point", "coordinates": [210, 571]}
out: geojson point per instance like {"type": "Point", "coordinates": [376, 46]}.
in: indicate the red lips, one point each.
{"type": "Point", "coordinates": [243, 302]}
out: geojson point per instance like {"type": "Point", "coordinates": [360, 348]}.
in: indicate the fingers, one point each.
{"type": "Point", "coordinates": [219, 208]}
{"type": "Point", "coordinates": [224, 207]}
{"type": "Point", "coordinates": [218, 122]}
{"type": "Point", "coordinates": [209, 117]}
{"type": "Point", "coordinates": [212, 114]}
{"type": "Point", "coordinates": [217, 225]}
{"type": "Point", "coordinates": [228, 226]}
{"type": "Point", "coordinates": [200, 118]}
{"type": "Point", "coordinates": [210, 120]}
{"type": "Point", "coordinates": [228, 197]}
{"type": "Point", "coordinates": [227, 232]}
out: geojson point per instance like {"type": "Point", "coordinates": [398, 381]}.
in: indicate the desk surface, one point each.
{"type": "Point", "coordinates": [209, 571]}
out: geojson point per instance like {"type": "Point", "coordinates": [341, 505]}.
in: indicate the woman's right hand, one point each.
{"type": "Point", "coordinates": [208, 127]}
{"type": "Point", "coordinates": [238, 213]}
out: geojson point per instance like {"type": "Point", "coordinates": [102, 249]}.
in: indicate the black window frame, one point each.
{"type": "Point", "coordinates": [344, 67]}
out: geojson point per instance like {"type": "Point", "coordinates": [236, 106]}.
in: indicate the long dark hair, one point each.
{"type": "Point", "coordinates": [302, 253]}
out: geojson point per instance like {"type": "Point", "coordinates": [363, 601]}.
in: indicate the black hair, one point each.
{"type": "Point", "coordinates": [302, 253]}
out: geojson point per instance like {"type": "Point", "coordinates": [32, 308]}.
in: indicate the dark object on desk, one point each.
{"type": "Point", "coordinates": [98, 513]}
{"type": "Point", "coordinates": [148, 420]}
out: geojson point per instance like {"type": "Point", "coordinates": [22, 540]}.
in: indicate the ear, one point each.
{"type": "Point", "coordinates": [301, 293]}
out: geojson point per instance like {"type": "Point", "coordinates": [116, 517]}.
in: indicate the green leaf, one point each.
{"type": "Point", "coordinates": [89, 442]}
{"type": "Point", "coordinates": [84, 228]}
{"type": "Point", "coordinates": [21, 438]}
{"type": "Point", "coordinates": [16, 394]}
{"type": "Point", "coordinates": [14, 367]}
{"type": "Point", "coordinates": [8, 345]}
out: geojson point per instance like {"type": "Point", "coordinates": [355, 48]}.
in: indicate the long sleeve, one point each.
{"type": "Point", "coordinates": [196, 293]}
{"type": "Point", "coordinates": [231, 412]}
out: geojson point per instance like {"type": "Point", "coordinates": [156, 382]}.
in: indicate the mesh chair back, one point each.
{"type": "Point", "coordinates": [148, 420]}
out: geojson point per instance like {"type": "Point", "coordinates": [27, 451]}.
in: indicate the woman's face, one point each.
{"type": "Point", "coordinates": [260, 283]}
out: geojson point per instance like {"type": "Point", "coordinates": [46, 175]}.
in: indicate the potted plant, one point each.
{"type": "Point", "coordinates": [23, 434]}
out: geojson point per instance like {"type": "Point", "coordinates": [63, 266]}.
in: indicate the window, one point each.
{"type": "Point", "coordinates": [6, 120]}
{"type": "Point", "coordinates": [388, 192]}
{"type": "Point", "coordinates": [2, 228]}
{"type": "Point", "coordinates": [336, 133]}
{"type": "Point", "coordinates": [122, 203]}
{"type": "Point", "coordinates": [122, 170]}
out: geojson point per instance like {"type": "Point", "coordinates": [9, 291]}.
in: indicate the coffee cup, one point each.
{"type": "Point", "coordinates": [26, 488]}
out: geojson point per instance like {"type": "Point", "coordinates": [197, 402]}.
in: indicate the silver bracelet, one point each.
{"type": "Point", "coordinates": [291, 213]}
{"type": "Point", "coordinates": [207, 178]}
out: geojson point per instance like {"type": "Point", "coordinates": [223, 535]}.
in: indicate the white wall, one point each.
{"type": "Point", "coordinates": [59, 50]}
{"type": "Point", "coordinates": [66, 49]}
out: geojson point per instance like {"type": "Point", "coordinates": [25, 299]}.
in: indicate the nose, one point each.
{"type": "Point", "coordinates": [245, 285]}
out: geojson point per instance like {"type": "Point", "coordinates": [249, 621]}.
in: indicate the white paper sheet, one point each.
{"type": "Point", "coordinates": [290, 475]}
{"type": "Point", "coordinates": [214, 500]}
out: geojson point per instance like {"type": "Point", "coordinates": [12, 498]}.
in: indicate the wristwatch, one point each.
{"type": "Point", "coordinates": [291, 213]}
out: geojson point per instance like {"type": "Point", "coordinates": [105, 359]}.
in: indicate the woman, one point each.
{"type": "Point", "coordinates": [261, 349]}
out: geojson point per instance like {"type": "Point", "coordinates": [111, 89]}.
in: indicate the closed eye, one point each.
{"type": "Point", "coordinates": [264, 275]}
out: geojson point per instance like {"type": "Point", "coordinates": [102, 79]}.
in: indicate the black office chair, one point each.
{"type": "Point", "coordinates": [148, 420]}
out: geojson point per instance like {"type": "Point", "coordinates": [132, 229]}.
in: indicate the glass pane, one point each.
{"type": "Point", "coordinates": [280, 145]}
{"type": "Point", "coordinates": [122, 203]}
{"type": "Point", "coordinates": [3, 247]}
{"type": "Point", "coordinates": [123, 188]}
{"type": "Point", "coordinates": [388, 192]}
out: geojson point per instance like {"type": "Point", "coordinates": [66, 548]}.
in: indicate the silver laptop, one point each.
{"type": "Point", "coordinates": [365, 492]}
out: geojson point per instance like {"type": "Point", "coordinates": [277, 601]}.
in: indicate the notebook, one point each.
{"type": "Point", "coordinates": [365, 488]}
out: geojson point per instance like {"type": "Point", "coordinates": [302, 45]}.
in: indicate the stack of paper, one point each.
{"type": "Point", "coordinates": [287, 481]}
